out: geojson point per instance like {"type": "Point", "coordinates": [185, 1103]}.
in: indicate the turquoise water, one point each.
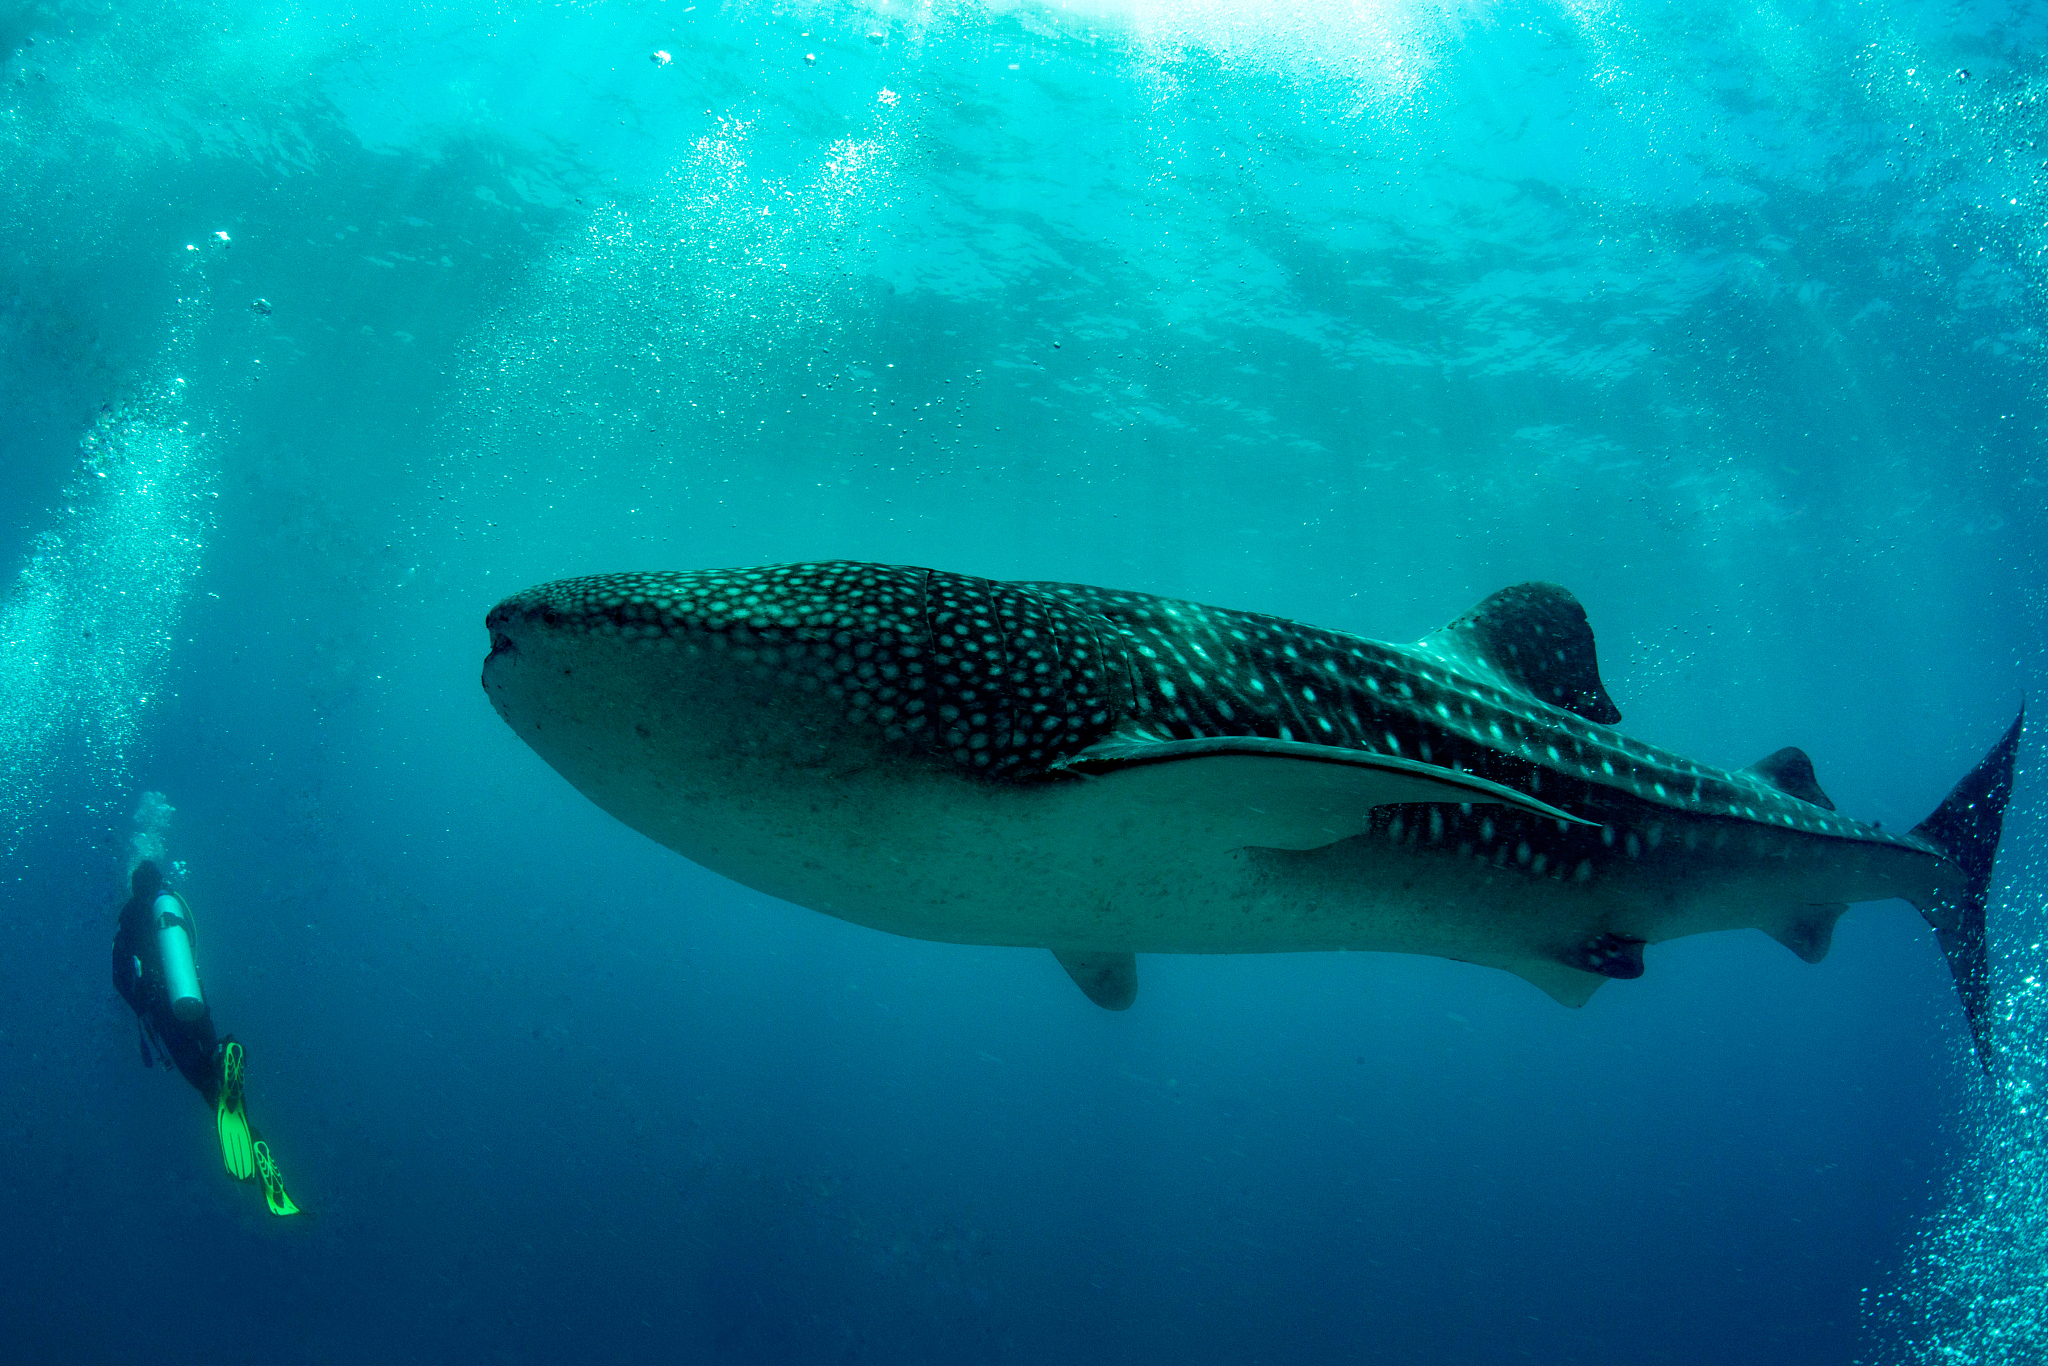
{"type": "Point", "coordinates": [322, 328]}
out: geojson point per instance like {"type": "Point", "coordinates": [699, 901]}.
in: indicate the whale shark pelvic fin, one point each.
{"type": "Point", "coordinates": [1108, 979]}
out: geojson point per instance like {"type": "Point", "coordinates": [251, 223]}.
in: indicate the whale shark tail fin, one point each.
{"type": "Point", "coordinates": [1966, 827]}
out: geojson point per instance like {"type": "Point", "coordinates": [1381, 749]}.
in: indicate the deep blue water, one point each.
{"type": "Point", "coordinates": [1728, 316]}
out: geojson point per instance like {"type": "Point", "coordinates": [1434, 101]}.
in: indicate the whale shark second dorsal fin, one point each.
{"type": "Point", "coordinates": [1535, 638]}
{"type": "Point", "coordinates": [1791, 772]}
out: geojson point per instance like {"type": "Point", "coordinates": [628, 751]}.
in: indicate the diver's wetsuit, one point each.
{"type": "Point", "coordinates": [139, 977]}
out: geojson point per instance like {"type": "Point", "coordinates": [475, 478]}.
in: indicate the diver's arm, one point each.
{"type": "Point", "coordinates": [127, 963]}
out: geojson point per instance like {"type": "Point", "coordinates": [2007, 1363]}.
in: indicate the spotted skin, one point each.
{"type": "Point", "coordinates": [1198, 671]}
{"type": "Point", "coordinates": [814, 713]}
{"type": "Point", "coordinates": [1003, 680]}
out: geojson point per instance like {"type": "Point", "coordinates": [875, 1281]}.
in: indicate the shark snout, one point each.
{"type": "Point", "coordinates": [503, 624]}
{"type": "Point", "coordinates": [516, 623]}
{"type": "Point", "coordinates": [525, 620]}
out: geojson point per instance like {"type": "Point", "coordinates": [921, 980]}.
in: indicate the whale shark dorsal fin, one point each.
{"type": "Point", "coordinates": [1791, 772]}
{"type": "Point", "coordinates": [1250, 791]}
{"type": "Point", "coordinates": [1535, 638]}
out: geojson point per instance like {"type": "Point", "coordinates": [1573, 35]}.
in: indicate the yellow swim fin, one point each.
{"type": "Point", "coordinates": [236, 1153]}
{"type": "Point", "coordinates": [273, 1184]}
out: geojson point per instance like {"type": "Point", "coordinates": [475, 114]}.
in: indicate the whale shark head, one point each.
{"type": "Point", "coordinates": [830, 659]}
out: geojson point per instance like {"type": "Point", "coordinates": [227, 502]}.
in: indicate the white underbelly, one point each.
{"type": "Point", "coordinates": [1076, 865]}
{"type": "Point", "coordinates": [832, 820]}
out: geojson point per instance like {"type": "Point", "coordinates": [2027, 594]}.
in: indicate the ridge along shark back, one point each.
{"type": "Point", "coordinates": [1103, 774]}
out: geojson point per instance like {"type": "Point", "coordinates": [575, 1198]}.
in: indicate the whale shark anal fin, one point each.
{"type": "Point", "coordinates": [1808, 931]}
{"type": "Point", "coordinates": [1108, 979]}
{"type": "Point", "coordinates": [1279, 794]}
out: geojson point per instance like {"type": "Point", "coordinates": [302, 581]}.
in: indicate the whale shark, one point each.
{"type": "Point", "coordinates": [1102, 773]}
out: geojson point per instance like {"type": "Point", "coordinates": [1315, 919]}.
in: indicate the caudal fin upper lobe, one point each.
{"type": "Point", "coordinates": [1966, 828]}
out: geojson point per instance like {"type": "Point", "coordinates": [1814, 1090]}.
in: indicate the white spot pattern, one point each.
{"type": "Point", "coordinates": [1015, 679]}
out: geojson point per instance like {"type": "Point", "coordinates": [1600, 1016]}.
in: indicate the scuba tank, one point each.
{"type": "Point", "coordinates": [174, 948]}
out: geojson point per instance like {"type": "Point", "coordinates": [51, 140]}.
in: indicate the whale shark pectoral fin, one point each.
{"type": "Point", "coordinates": [1108, 979]}
{"type": "Point", "coordinates": [1280, 794]}
{"type": "Point", "coordinates": [1808, 931]}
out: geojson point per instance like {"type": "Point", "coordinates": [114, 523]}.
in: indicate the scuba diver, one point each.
{"type": "Point", "coordinates": [155, 974]}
